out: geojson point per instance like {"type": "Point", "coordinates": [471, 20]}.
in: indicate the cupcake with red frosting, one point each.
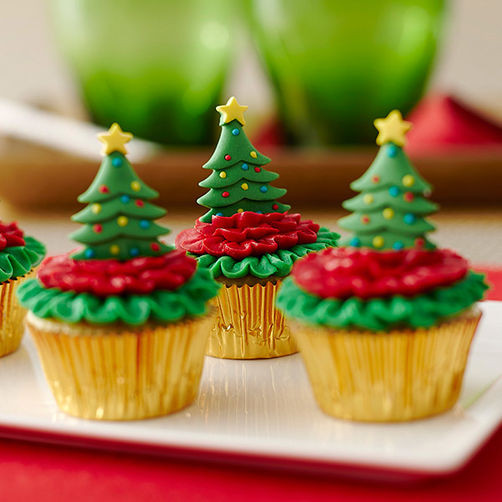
{"type": "Point", "coordinates": [19, 256]}
{"type": "Point", "coordinates": [249, 242]}
{"type": "Point", "coordinates": [121, 325]}
{"type": "Point", "coordinates": [384, 335]}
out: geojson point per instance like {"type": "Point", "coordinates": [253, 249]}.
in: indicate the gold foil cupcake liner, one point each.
{"type": "Point", "coordinates": [11, 316]}
{"type": "Point", "coordinates": [386, 377]}
{"type": "Point", "coordinates": [247, 324]}
{"type": "Point", "coordinates": [121, 372]}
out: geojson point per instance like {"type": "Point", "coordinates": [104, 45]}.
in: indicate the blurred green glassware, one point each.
{"type": "Point", "coordinates": [337, 64]}
{"type": "Point", "coordinates": [155, 66]}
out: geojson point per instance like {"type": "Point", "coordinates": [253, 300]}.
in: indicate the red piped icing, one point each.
{"type": "Point", "coordinates": [364, 273]}
{"type": "Point", "coordinates": [112, 277]}
{"type": "Point", "coordinates": [10, 235]}
{"type": "Point", "coordinates": [247, 234]}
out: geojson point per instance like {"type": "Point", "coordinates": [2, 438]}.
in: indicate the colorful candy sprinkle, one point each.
{"type": "Point", "coordinates": [223, 174]}
{"type": "Point", "coordinates": [368, 199]}
{"type": "Point", "coordinates": [117, 161]}
{"type": "Point", "coordinates": [253, 154]}
{"type": "Point", "coordinates": [103, 189]}
{"type": "Point", "coordinates": [114, 249]}
{"type": "Point", "coordinates": [228, 157]}
{"type": "Point", "coordinates": [410, 218]}
{"type": "Point", "coordinates": [257, 169]}
{"type": "Point", "coordinates": [244, 167]}
{"type": "Point", "coordinates": [122, 221]}
{"type": "Point", "coordinates": [235, 132]}
{"type": "Point", "coordinates": [225, 194]}
{"type": "Point", "coordinates": [394, 191]}
{"type": "Point", "coordinates": [408, 180]}
{"type": "Point", "coordinates": [244, 186]}
{"type": "Point", "coordinates": [136, 186]}
{"type": "Point", "coordinates": [96, 208]}
{"type": "Point", "coordinates": [144, 224]}
{"type": "Point", "coordinates": [263, 189]}
{"type": "Point", "coordinates": [125, 199]}
{"type": "Point", "coordinates": [388, 213]}
{"type": "Point", "coordinates": [98, 228]}
{"type": "Point", "coordinates": [155, 247]}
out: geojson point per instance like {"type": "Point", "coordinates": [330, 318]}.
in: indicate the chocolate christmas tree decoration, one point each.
{"type": "Point", "coordinates": [390, 211]}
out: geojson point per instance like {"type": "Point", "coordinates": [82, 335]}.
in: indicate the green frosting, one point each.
{"type": "Point", "coordinates": [392, 204]}
{"type": "Point", "coordinates": [17, 261]}
{"type": "Point", "coordinates": [119, 220]}
{"type": "Point", "coordinates": [278, 264]}
{"type": "Point", "coordinates": [163, 306]}
{"type": "Point", "coordinates": [378, 314]}
{"type": "Point", "coordinates": [240, 182]}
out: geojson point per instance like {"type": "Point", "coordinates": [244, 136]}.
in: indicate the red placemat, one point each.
{"type": "Point", "coordinates": [53, 473]}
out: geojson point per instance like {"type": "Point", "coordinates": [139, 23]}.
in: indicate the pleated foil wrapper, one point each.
{"type": "Point", "coordinates": [121, 372]}
{"type": "Point", "coordinates": [387, 377]}
{"type": "Point", "coordinates": [247, 324]}
{"type": "Point", "coordinates": [11, 316]}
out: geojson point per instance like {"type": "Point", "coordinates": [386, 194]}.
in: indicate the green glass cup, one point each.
{"type": "Point", "coordinates": [155, 66]}
{"type": "Point", "coordinates": [335, 65]}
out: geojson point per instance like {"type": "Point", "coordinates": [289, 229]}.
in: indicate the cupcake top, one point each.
{"type": "Point", "coordinates": [18, 253]}
{"type": "Point", "coordinates": [123, 272]}
{"type": "Point", "coordinates": [247, 231]}
{"type": "Point", "coordinates": [379, 290]}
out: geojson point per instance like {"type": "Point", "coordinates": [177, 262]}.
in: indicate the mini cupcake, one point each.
{"type": "Point", "coordinates": [249, 242]}
{"type": "Point", "coordinates": [120, 325]}
{"type": "Point", "coordinates": [19, 255]}
{"type": "Point", "coordinates": [384, 335]}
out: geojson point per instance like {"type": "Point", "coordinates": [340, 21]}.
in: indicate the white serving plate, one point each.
{"type": "Point", "coordinates": [263, 412]}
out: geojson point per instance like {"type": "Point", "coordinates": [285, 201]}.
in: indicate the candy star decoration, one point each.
{"type": "Point", "coordinates": [118, 220]}
{"type": "Point", "coordinates": [390, 211]}
{"type": "Point", "coordinates": [392, 129]}
{"type": "Point", "coordinates": [114, 140]}
{"type": "Point", "coordinates": [232, 111]}
{"type": "Point", "coordinates": [238, 182]}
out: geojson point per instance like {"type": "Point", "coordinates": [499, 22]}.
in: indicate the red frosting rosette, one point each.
{"type": "Point", "coordinates": [112, 277]}
{"type": "Point", "coordinates": [247, 234]}
{"type": "Point", "coordinates": [365, 273]}
{"type": "Point", "coordinates": [10, 235]}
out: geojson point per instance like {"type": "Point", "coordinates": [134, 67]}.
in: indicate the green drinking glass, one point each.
{"type": "Point", "coordinates": [337, 64]}
{"type": "Point", "coordinates": [155, 66]}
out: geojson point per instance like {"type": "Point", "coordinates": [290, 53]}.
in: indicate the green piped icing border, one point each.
{"type": "Point", "coordinates": [277, 264]}
{"type": "Point", "coordinates": [378, 314]}
{"type": "Point", "coordinates": [162, 306]}
{"type": "Point", "coordinates": [17, 261]}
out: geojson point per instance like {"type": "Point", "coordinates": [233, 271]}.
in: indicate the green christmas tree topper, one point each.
{"type": "Point", "coordinates": [390, 211]}
{"type": "Point", "coordinates": [118, 220]}
{"type": "Point", "coordinates": [238, 182]}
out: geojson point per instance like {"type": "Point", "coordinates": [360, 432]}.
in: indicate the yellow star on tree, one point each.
{"type": "Point", "coordinates": [114, 140]}
{"type": "Point", "coordinates": [392, 129]}
{"type": "Point", "coordinates": [232, 111]}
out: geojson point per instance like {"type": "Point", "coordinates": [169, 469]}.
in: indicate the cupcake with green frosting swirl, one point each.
{"type": "Point", "coordinates": [19, 256]}
{"type": "Point", "coordinates": [249, 242]}
{"type": "Point", "coordinates": [385, 335]}
{"type": "Point", "coordinates": [120, 324]}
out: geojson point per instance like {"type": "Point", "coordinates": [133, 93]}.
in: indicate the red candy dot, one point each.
{"type": "Point", "coordinates": [104, 189]}
{"type": "Point", "coordinates": [257, 169]}
{"type": "Point", "coordinates": [225, 194]}
{"type": "Point", "coordinates": [155, 247]}
{"type": "Point", "coordinates": [140, 203]}
{"type": "Point", "coordinates": [228, 157]}
{"type": "Point", "coordinates": [365, 219]}
{"type": "Point", "coordinates": [408, 196]}
{"type": "Point", "coordinates": [375, 179]}
{"type": "Point", "coordinates": [419, 242]}
{"type": "Point", "coordinates": [97, 228]}
{"type": "Point", "coordinates": [275, 207]}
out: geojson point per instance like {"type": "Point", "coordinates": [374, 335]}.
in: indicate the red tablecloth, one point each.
{"type": "Point", "coordinates": [34, 472]}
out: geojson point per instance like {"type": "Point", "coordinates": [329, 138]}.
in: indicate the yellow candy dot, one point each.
{"type": "Point", "coordinates": [368, 198]}
{"type": "Point", "coordinates": [96, 208]}
{"type": "Point", "coordinates": [253, 154]}
{"type": "Point", "coordinates": [136, 186]}
{"type": "Point", "coordinates": [122, 221]}
{"type": "Point", "coordinates": [408, 180]}
{"type": "Point", "coordinates": [244, 186]}
{"type": "Point", "coordinates": [378, 241]}
{"type": "Point", "coordinates": [223, 174]}
{"type": "Point", "coordinates": [114, 249]}
{"type": "Point", "coordinates": [388, 213]}
{"type": "Point", "coordinates": [240, 210]}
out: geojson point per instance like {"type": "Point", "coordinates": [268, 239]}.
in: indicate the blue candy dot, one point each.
{"type": "Point", "coordinates": [116, 161]}
{"type": "Point", "coordinates": [263, 189]}
{"type": "Point", "coordinates": [134, 251]}
{"type": "Point", "coordinates": [245, 167]}
{"type": "Point", "coordinates": [144, 223]}
{"type": "Point", "coordinates": [259, 212]}
{"type": "Point", "coordinates": [235, 132]}
{"type": "Point", "coordinates": [219, 214]}
{"type": "Point", "coordinates": [89, 253]}
{"type": "Point", "coordinates": [394, 191]}
{"type": "Point", "coordinates": [355, 242]}
{"type": "Point", "coordinates": [392, 150]}
{"type": "Point", "coordinates": [125, 199]}
{"type": "Point", "coordinates": [398, 245]}
{"type": "Point", "coordinates": [410, 218]}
